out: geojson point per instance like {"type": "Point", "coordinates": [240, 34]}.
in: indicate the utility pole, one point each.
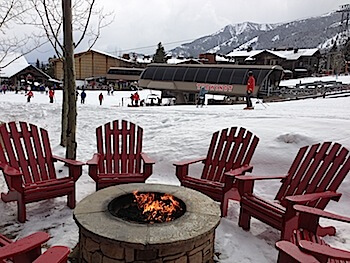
{"type": "Point", "coordinates": [69, 80]}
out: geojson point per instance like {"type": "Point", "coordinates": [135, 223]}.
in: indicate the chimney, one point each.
{"type": "Point", "coordinates": [126, 56]}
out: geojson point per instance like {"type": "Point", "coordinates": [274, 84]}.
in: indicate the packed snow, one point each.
{"type": "Point", "coordinates": [173, 133]}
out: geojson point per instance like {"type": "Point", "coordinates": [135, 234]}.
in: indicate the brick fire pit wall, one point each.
{"type": "Point", "coordinates": [104, 238]}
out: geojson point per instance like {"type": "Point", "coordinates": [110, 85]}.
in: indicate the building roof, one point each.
{"type": "Point", "coordinates": [293, 54]}
{"type": "Point", "coordinates": [12, 64]}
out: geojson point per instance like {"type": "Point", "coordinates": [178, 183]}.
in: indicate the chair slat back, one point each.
{"type": "Point", "coordinates": [316, 168]}
{"type": "Point", "coordinates": [120, 145]}
{"type": "Point", "coordinates": [27, 149]}
{"type": "Point", "coordinates": [229, 149]}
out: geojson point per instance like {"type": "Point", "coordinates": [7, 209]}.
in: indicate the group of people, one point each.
{"type": "Point", "coordinates": [135, 98]}
{"type": "Point", "coordinates": [50, 92]}
{"type": "Point", "coordinates": [249, 93]}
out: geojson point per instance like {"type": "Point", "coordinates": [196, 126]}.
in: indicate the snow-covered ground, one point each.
{"type": "Point", "coordinates": [345, 79]}
{"type": "Point", "coordinates": [173, 133]}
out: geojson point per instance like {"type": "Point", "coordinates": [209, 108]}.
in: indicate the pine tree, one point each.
{"type": "Point", "coordinates": [159, 56]}
{"type": "Point", "coordinates": [37, 63]}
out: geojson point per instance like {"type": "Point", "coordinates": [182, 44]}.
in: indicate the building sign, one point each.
{"type": "Point", "coordinates": [215, 87]}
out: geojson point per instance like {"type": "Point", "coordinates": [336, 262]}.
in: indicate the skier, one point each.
{"type": "Point", "coordinates": [201, 97]}
{"type": "Point", "coordinates": [100, 98]}
{"type": "Point", "coordinates": [29, 95]}
{"type": "Point", "coordinates": [51, 95]}
{"type": "Point", "coordinates": [83, 96]}
{"type": "Point", "coordinates": [136, 99]}
{"type": "Point", "coordinates": [250, 90]}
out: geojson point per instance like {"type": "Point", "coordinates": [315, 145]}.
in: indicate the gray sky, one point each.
{"type": "Point", "coordinates": [140, 23]}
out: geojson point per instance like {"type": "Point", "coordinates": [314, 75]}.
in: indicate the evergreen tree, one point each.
{"type": "Point", "coordinates": [159, 56]}
{"type": "Point", "coordinates": [37, 63]}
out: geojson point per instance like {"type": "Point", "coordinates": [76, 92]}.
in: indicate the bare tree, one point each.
{"type": "Point", "coordinates": [61, 20]}
{"type": "Point", "coordinates": [12, 14]}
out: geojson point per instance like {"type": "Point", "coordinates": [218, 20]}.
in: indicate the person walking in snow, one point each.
{"type": "Point", "coordinates": [136, 99]}
{"type": "Point", "coordinates": [29, 95]}
{"type": "Point", "coordinates": [201, 97]}
{"type": "Point", "coordinates": [250, 90]}
{"type": "Point", "coordinates": [51, 95]}
{"type": "Point", "coordinates": [82, 97]}
{"type": "Point", "coordinates": [100, 98]}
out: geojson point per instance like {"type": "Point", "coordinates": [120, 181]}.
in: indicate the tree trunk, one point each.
{"type": "Point", "coordinates": [70, 80]}
{"type": "Point", "coordinates": [64, 116]}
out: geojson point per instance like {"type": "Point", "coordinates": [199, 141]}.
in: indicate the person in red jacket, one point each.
{"type": "Point", "coordinates": [136, 99]}
{"type": "Point", "coordinates": [30, 95]}
{"type": "Point", "coordinates": [100, 98]}
{"type": "Point", "coordinates": [51, 95]}
{"type": "Point", "coordinates": [250, 90]}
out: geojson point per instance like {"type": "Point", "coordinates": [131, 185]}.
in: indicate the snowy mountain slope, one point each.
{"type": "Point", "coordinates": [305, 33]}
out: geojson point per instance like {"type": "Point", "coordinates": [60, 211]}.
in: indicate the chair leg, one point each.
{"type": "Point", "coordinates": [71, 199]}
{"type": "Point", "coordinates": [21, 210]}
{"type": "Point", "coordinates": [244, 219]}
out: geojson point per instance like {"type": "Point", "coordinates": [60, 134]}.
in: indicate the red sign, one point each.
{"type": "Point", "coordinates": [215, 87]}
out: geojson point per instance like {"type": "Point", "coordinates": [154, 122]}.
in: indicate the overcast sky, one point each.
{"type": "Point", "coordinates": [140, 23]}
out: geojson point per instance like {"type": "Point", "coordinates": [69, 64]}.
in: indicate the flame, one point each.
{"type": "Point", "coordinates": [157, 210]}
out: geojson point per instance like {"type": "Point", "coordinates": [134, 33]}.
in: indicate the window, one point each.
{"type": "Point", "coordinates": [240, 76]}
{"type": "Point", "coordinates": [213, 75]}
{"type": "Point", "coordinates": [201, 75]}
{"type": "Point", "coordinates": [169, 73]}
{"type": "Point", "coordinates": [179, 74]}
{"type": "Point", "coordinates": [159, 73]}
{"type": "Point", "coordinates": [190, 74]}
{"type": "Point", "coordinates": [225, 76]}
{"type": "Point", "coordinates": [148, 73]}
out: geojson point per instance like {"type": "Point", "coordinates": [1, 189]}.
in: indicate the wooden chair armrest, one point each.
{"type": "Point", "coordinates": [146, 158]}
{"type": "Point", "coordinates": [313, 197]}
{"type": "Point", "coordinates": [321, 213]}
{"type": "Point", "coordinates": [239, 171]}
{"type": "Point", "coordinates": [55, 254]}
{"type": "Point", "coordinates": [255, 178]}
{"type": "Point", "coordinates": [324, 250]}
{"type": "Point", "coordinates": [24, 245]}
{"type": "Point", "coordinates": [68, 161]}
{"type": "Point", "coordinates": [293, 251]}
{"type": "Point", "coordinates": [9, 170]}
{"type": "Point", "coordinates": [95, 159]}
{"type": "Point", "coordinates": [187, 162]}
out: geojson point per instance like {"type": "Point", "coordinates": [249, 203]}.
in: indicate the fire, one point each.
{"type": "Point", "coordinates": [160, 209]}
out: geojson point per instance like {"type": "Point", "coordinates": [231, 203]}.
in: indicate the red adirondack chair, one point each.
{"type": "Point", "coordinates": [28, 250]}
{"type": "Point", "coordinates": [315, 175]}
{"type": "Point", "coordinates": [28, 166]}
{"type": "Point", "coordinates": [305, 245]}
{"type": "Point", "coordinates": [119, 158]}
{"type": "Point", "coordinates": [229, 154]}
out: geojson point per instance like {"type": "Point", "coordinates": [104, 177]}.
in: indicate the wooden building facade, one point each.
{"type": "Point", "coordinates": [92, 64]}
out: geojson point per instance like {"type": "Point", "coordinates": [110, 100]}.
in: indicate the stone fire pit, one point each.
{"type": "Point", "coordinates": [104, 238]}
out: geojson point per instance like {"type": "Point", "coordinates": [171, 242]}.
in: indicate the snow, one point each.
{"type": "Point", "coordinates": [173, 133]}
{"type": "Point", "coordinates": [11, 64]}
{"type": "Point", "coordinates": [345, 79]}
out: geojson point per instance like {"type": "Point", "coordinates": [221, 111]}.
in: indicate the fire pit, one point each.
{"type": "Point", "coordinates": [117, 224]}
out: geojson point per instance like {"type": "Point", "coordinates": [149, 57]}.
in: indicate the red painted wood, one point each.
{"type": "Point", "coordinates": [39, 153]}
{"type": "Point", "coordinates": [28, 166]}
{"type": "Point", "coordinates": [108, 148]}
{"type": "Point", "coordinates": [313, 178]}
{"type": "Point", "coordinates": [229, 149]}
{"type": "Point", "coordinates": [116, 147]}
{"type": "Point", "coordinates": [123, 141]}
{"type": "Point", "coordinates": [55, 254]}
{"type": "Point", "coordinates": [139, 150]}
{"type": "Point", "coordinates": [48, 153]}
{"type": "Point", "coordinates": [132, 152]}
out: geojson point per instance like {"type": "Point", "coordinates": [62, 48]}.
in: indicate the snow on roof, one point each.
{"type": "Point", "coordinates": [12, 64]}
{"type": "Point", "coordinates": [286, 54]}
{"type": "Point", "coordinates": [220, 58]}
{"type": "Point", "coordinates": [174, 60]}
